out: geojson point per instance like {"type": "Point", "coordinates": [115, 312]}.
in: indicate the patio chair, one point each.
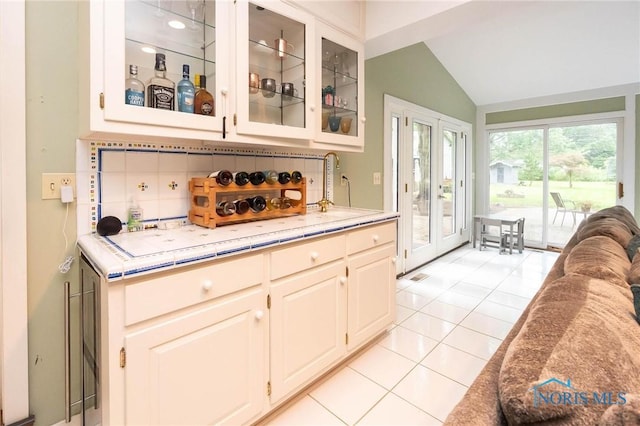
{"type": "Point", "coordinates": [561, 206]}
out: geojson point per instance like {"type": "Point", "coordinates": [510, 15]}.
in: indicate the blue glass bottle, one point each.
{"type": "Point", "coordinates": [186, 91]}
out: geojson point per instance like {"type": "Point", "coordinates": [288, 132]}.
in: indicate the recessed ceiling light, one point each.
{"type": "Point", "coordinates": [177, 25]}
{"type": "Point", "coordinates": [148, 49]}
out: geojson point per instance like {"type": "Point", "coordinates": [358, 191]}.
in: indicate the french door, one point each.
{"type": "Point", "coordinates": [429, 164]}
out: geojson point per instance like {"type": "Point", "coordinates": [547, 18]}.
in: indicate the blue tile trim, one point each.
{"type": "Point", "coordinates": [148, 268]}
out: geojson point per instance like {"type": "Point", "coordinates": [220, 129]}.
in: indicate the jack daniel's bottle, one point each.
{"type": "Point", "coordinates": [161, 90]}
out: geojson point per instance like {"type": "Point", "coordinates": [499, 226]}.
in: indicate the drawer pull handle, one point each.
{"type": "Point", "coordinates": [314, 255]}
{"type": "Point", "coordinates": [206, 285]}
{"type": "Point", "coordinates": [343, 280]}
{"type": "Point", "coordinates": [376, 238]}
{"type": "Point", "coordinates": [259, 315]}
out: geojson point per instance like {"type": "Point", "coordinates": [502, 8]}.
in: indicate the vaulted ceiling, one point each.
{"type": "Point", "coordinates": [507, 50]}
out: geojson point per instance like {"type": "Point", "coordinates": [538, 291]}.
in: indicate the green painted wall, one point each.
{"type": "Point", "coordinates": [52, 109]}
{"type": "Point", "coordinates": [413, 74]}
{"type": "Point", "coordinates": [637, 194]}
{"type": "Point", "coordinates": [561, 110]}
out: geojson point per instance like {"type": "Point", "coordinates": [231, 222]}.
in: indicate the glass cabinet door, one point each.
{"type": "Point", "coordinates": [187, 34]}
{"type": "Point", "coordinates": [272, 83]}
{"type": "Point", "coordinates": [339, 89]}
{"type": "Point", "coordinates": [341, 95]}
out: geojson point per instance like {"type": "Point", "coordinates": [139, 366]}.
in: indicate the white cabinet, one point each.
{"type": "Point", "coordinates": [275, 57]}
{"type": "Point", "coordinates": [307, 327]}
{"type": "Point", "coordinates": [289, 53]}
{"type": "Point", "coordinates": [206, 367]}
{"type": "Point", "coordinates": [228, 341]}
{"type": "Point", "coordinates": [121, 33]}
{"type": "Point", "coordinates": [340, 120]}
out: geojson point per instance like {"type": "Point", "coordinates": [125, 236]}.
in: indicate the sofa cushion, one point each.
{"type": "Point", "coordinates": [633, 246]}
{"type": "Point", "coordinates": [623, 414]}
{"type": "Point", "coordinates": [579, 332]}
{"type": "Point", "coordinates": [607, 227]}
{"type": "Point", "coordinates": [599, 257]}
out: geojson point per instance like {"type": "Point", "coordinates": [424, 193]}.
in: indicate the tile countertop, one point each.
{"type": "Point", "coordinates": [134, 254]}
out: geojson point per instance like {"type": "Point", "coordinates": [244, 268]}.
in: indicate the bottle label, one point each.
{"type": "Point", "coordinates": [161, 97]}
{"type": "Point", "coordinates": [186, 102]}
{"type": "Point", "coordinates": [133, 97]}
{"type": "Point", "coordinates": [207, 108]}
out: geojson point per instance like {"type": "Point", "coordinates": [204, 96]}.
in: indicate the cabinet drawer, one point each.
{"type": "Point", "coordinates": [303, 256]}
{"type": "Point", "coordinates": [172, 291]}
{"type": "Point", "coordinates": [370, 237]}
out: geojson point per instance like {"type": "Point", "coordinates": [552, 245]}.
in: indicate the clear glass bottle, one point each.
{"type": "Point", "coordinates": [186, 92]}
{"type": "Point", "coordinates": [203, 99]}
{"type": "Point", "coordinates": [133, 88]}
{"type": "Point", "coordinates": [225, 208]}
{"type": "Point", "coordinates": [270, 176]}
{"type": "Point", "coordinates": [161, 90]}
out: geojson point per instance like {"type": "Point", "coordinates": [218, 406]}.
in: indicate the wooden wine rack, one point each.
{"type": "Point", "coordinates": [208, 189]}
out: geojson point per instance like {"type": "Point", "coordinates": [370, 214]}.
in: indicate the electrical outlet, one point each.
{"type": "Point", "coordinates": [51, 183]}
{"type": "Point", "coordinates": [377, 177]}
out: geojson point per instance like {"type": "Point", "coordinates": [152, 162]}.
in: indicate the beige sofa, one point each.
{"type": "Point", "coordinates": [573, 357]}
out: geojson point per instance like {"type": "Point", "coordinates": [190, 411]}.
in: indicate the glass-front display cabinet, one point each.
{"type": "Point", "coordinates": [273, 61]}
{"type": "Point", "coordinates": [341, 71]}
{"type": "Point", "coordinates": [152, 54]}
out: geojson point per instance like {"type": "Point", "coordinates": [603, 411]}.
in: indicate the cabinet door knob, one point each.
{"type": "Point", "coordinates": [394, 259]}
{"type": "Point", "coordinates": [376, 238]}
{"type": "Point", "coordinates": [207, 284]}
{"type": "Point", "coordinates": [343, 280]}
{"type": "Point", "coordinates": [363, 119]}
{"type": "Point", "coordinates": [314, 255]}
{"type": "Point", "coordinates": [259, 315]}
{"type": "Point", "coordinates": [224, 91]}
{"type": "Point", "coordinates": [312, 107]}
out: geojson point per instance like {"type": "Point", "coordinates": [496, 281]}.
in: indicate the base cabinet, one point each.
{"type": "Point", "coordinates": [207, 345]}
{"type": "Point", "coordinates": [371, 293]}
{"type": "Point", "coordinates": [307, 327]}
{"type": "Point", "coordinates": [203, 368]}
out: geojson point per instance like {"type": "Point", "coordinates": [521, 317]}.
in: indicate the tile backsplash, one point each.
{"type": "Point", "coordinates": [114, 176]}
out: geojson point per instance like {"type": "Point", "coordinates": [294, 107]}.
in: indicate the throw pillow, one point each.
{"type": "Point", "coordinates": [633, 246]}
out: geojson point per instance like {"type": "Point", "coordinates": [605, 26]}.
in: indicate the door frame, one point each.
{"type": "Point", "coordinates": [395, 107]}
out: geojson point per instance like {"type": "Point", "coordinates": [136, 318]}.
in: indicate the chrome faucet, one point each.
{"type": "Point", "coordinates": [324, 203]}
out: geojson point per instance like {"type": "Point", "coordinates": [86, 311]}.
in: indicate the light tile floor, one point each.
{"type": "Point", "coordinates": [447, 326]}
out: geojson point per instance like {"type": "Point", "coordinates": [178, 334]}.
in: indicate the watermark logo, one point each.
{"type": "Point", "coordinates": [542, 395]}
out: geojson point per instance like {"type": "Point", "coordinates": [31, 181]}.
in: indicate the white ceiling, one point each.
{"type": "Point", "coordinates": [500, 51]}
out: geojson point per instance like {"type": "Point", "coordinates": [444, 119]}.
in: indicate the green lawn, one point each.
{"type": "Point", "coordinates": [600, 194]}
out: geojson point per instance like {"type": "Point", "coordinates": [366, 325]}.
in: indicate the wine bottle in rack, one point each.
{"type": "Point", "coordinates": [274, 203]}
{"type": "Point", "coordinates": [271, 176]}
{"type": "Point", "coordinates": [241, 178]}
{"type": "Point", "coordinates": [257, 203]}
{"type": "Point", "coordinates": [285, 203]}
{"type": "Point", "coordinates": [222, 177]}
{"type": "Point", "coordinates": [284, 177]}
{"type": "Point", "coordinates": [225, 208]}
{"type": "Point", "coordinates": [296, 176]}
{"type": "Point", "coordinates": [242, 206]}
{"type": "Point", "coordinates": [256, 178]}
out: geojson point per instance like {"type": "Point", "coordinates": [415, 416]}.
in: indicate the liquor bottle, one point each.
{"type": "Point", "coordinates": [284, 177]}
{"type": "Point", "coordinates": [203, 99]}
{"type": "Point", "coordinates": [270, 176]}
{"type": "Point", "coordinates": [225, 208]}
{"type": "Point", "coordinates": [222, 177]}
{"type": "Point", "coordinates": [160, 90]}
{"type": "Point", "coordinates": [256, 178]}
{"type": "Point", "coordinates": [186, 91]}
{"type": "Point", "coordinates": [257, 203]}
{"type": "Point", "coordinates": [241, 178]}
{"type": "Point", "coordinates": [242, 206]}
{"type": "Point", "coordinates": [296, 176]}
{"type": "Point", "coordinates": [133, 88]}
